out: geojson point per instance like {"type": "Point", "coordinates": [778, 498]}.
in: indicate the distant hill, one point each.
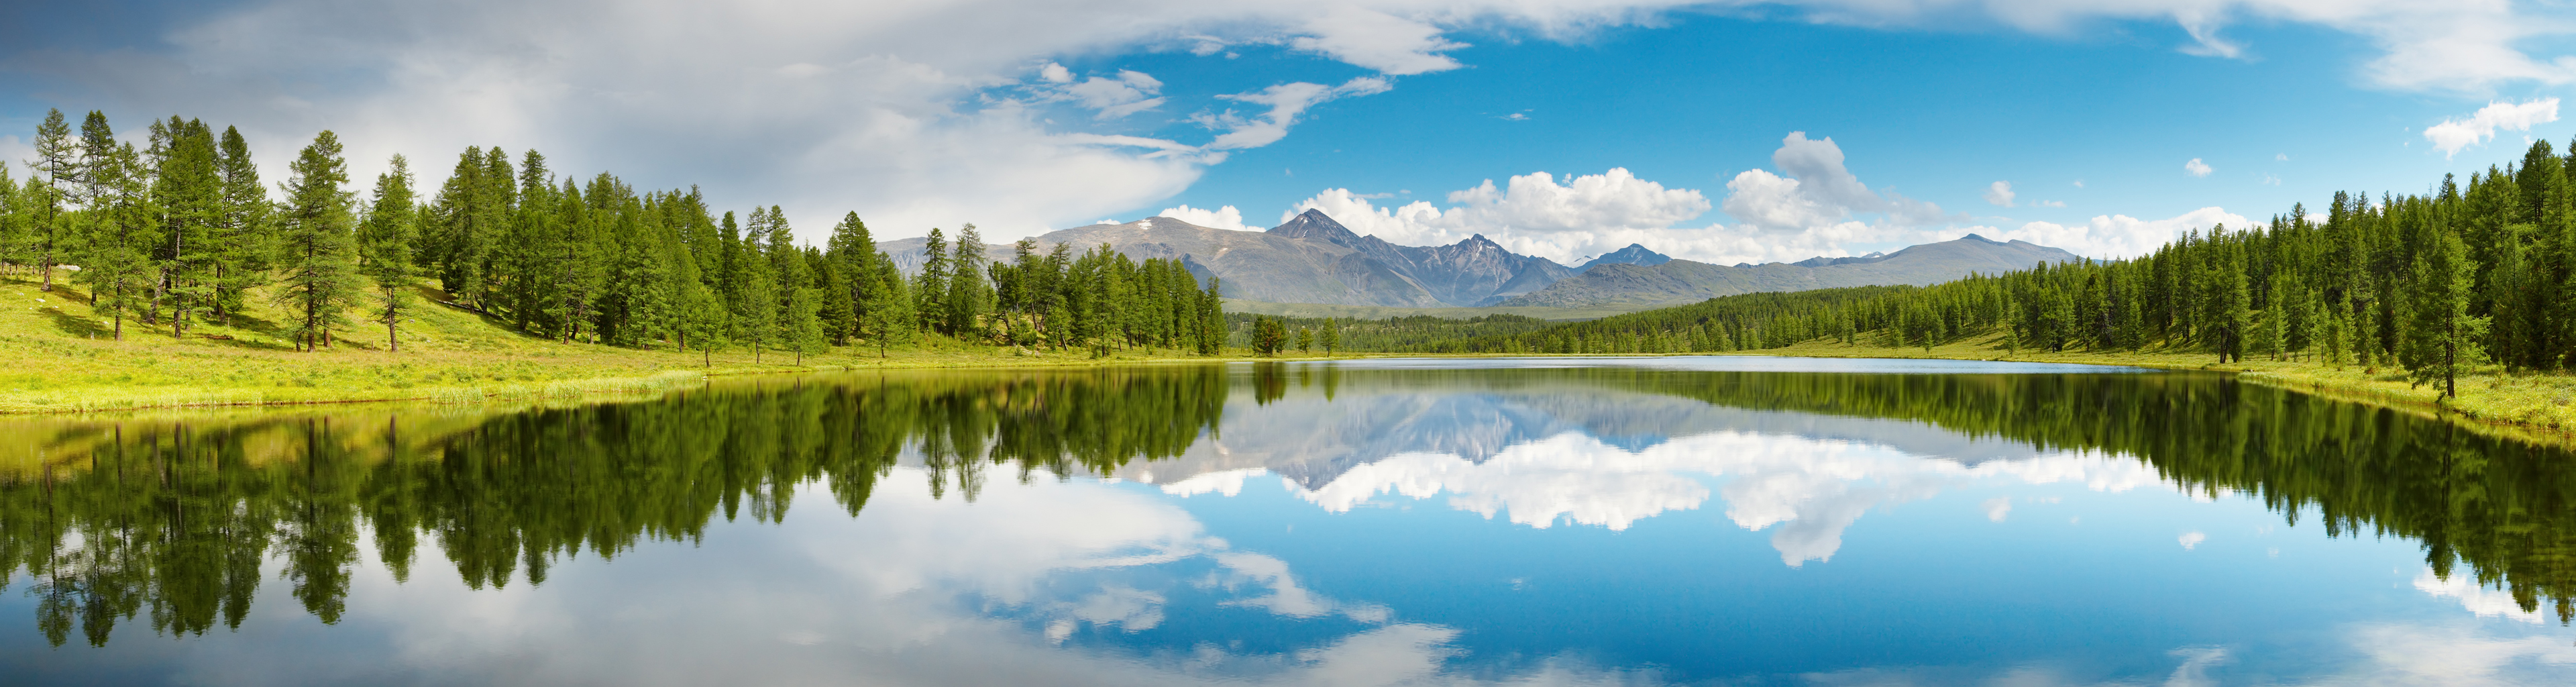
{"type": "Point", "coordinates": [1677, 282]}
{"type": "Point", "coordinates": [1309, 259]}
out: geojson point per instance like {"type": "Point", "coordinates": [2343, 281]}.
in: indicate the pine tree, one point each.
{"type": "Point", "coordinates": [755, 309]}
{"type": "Point", "coordinates": [968, 293]}
{"type": "Point", "coordinates": [188, 191]}
{"type": "Point", "coordinates": [1331, 337]}
{"type": "Point", "coordinates": [386, 245]}
{"type": "Point", "coordinates": [122, 225]}
{"type": "Point", "coordinates": [930, 289]}
{"type": "Point", "coordinates": [703, 319]}
{"type": "Point", "coordinates": [2441, 336]}
{"type": "Point", "coordinates": [320, 259]}
{"type": "Point", "coordinates": [247, 242]}
{"type": "Point", "coordinates": [57, 160]}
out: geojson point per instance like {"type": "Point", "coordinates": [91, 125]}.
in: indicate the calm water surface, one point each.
{"type": "Point", "coordinates": [1528, 522]}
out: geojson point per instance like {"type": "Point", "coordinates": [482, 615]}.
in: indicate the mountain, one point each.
{"type": "Point", "coordinates": [1676, 282]}
{"type": "Point", "coordinates": [1313, 259]}
{"type": "Point", "coordinates": [1308, 259]}
{"type": "Point", "coordinates": [1634, 254]}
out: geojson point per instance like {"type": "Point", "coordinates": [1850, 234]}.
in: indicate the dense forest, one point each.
{"type": "Point", "coordinates": [2436, 284]}
{"type": "Point", "coordinates": [182, 230]}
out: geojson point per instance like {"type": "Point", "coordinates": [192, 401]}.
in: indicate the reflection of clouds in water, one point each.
{"type": "Point", "coordinates": [2478, 599]}
{"type": "Point", "coordinates": [1816, 487]}
{"type": "Point", "coordinates": [1227, 482]}
{"type": "Point", "coordinates": [875, 599]}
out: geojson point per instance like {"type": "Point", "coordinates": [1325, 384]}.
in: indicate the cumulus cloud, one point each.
{"type": "Point", "coordinates": [2196, 168]}
{"type": "Point", "coordinates": [2000, 194]}
{"type": "Point", "coordinates": [1221, 218]}
{"type": "Point", "coordinates": [1537, 213]}
{"type": "Point", "coordinates": [2454, 134]}
{"type": "Point", "coordinates": [1813, 206]}
{"type": "Point", "coordinates": [2110, 236]}
{"type": "Point", "coordinates": [877, 107]}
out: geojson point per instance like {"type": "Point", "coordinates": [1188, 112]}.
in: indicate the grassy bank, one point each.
{"type": "Point", "coordinates": [62, 357]}
{"type": "Point", "coordinates": [2537, 403]}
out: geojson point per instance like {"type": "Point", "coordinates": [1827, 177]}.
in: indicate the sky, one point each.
{"type": "Point", "coordinates": [1716, 131]}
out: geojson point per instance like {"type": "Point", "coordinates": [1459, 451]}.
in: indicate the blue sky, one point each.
{"type": "Point", "coordinates": [1023, 117]}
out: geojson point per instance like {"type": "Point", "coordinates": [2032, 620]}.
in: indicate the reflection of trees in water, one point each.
{"type": "Point", "coordinates": [173, 519]}
{"type": "Point", "coordinates": [2506, 508]}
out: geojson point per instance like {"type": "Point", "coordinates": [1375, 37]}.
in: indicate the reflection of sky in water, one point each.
{"type": "Point", "coordinates": [1449, 538]}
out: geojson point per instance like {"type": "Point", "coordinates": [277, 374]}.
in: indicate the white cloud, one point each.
{"type": "Point", "coordinates": [2110, 236]}
{"type": "Point", "coordinates": [2454, 134]}
{"type": "Point", "coordinates": [1285, 102]}
{"type": "Point", "coordinates": [1536, 213]}
{"type": "Point", "coordinates": [1378, 40]}
{"type": "Point", "coordinates": [1812, 488]}
{"type": "Point", "coordinates": [1221, 218]}
{"type": "Point", "coordinates": [2048, 203]}
{"type": "Point", "coordinates": [1997, 508]}
{"type": "Point", "coordinates": [881, 108]}
{"type": "Point", "coordinates": [2282, 157]}
{"type": "Point", "coordinates": [2196, 168]}
{"type": "Point", "coordinates": [2191, 540]}
{"type": "Point", "coordinates": [2477, 598]}
{"type": "Point", "coordinates": [2000, 194]}
{"type": "Point", "coordinates": [2468, 47]}
{"type": "Point", "coordinates": [1130, 93]}
{"type": "Point", "coordinates": [1815, 206]}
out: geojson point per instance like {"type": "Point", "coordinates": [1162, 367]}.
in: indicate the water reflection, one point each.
{"type": "Point", "coordinates": [180, 521]}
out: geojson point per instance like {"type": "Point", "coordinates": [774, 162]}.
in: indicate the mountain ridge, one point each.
{"type": "Point", "coordinates": [1312, 258]}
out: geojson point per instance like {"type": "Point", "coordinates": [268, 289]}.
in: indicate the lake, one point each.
{"type": "Point", "coordinates": [1710, 520]}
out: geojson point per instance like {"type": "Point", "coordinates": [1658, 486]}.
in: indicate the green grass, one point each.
{"type": "Point", "coordinates": [65, 358]}
{"type": "Point", "coordinates": [2538, 407]}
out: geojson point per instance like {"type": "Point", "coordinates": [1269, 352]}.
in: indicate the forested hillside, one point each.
{"type": "Point", "coordinates": [182, 230]}
{"type": "Point", "coordinates": [2472, 274]}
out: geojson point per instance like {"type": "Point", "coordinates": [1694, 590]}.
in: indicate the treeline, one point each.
{"type": "Point", "coordinates": [2436, 284]}
{"type": "Point", "coordinates": [183, 231]}
{"type": "Point", "coordinates": [1407, 334]}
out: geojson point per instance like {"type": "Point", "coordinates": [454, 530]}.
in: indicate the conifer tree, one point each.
{"type": "Point", "coordinates": [188, 191]}
{"type": "Point", "coordinates": [852, 252]}
{"type": "Point", "coordinates": [57, 164]}
{"type": "Point", "coordinates": [968, 293]}
{"type": "Point", "coordinates": [755, 309]}
{"type": "Point", "coordinates": [121, 225]}
{"type": "Point", "coordinates": [703, 320]}
{"type": "Point", "coordinates": [386, 245]}
{"type": "Point", "coordinates": [2441, 336]}
{"type": "Point", "coordinates": [1330, 337]}
{"type": "Point", "coordinates": [930, 289]}
{"type": "Point", "coordinates": [320, 279]}
{"type": "Point", "coordinates": [247, 244]}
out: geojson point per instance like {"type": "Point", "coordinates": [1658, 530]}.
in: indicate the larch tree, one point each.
{"type": "Point", "coordinates": [247, 244]}
{"type": "Point", "coordinates": [188, 191]}
{"type": "Point", "coordinates": [968, 292]}
{"type": "Point", "coordinates": [320, 279]}
{"type": "Point", "coordinates": [57, 163]}
{"type": "Point", "coordinates": [2442, 337]}
{"type": "Point", "coordinates": [386, 243]}
{"type": "Point", "coordinates": [930, 287]}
